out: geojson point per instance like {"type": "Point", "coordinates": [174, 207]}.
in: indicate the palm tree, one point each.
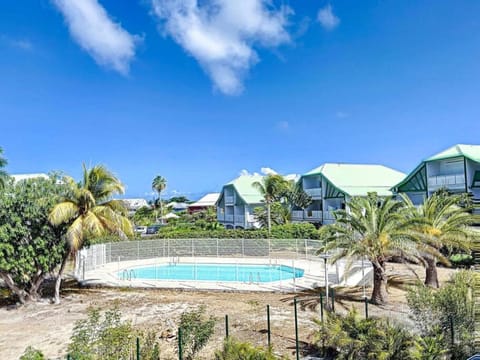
{"type": "Point", "coordinates": [272, 188]}
{"type": "Point", "coordinates": [3, 173]}
{"type": "Point", "coordinates": [442, 222]}
{"type": "Point", "coordinates": [373, 228]}
{"type": "Point", "coordinates": [159, 184]}
{"type": "Point", "coordinates": [90, 212]}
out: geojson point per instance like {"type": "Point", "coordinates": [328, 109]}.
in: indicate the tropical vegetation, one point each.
{"type": "Point", "coordinates": [30, 246]}
{"type": "Point", "coordinates": [3, 173]}
{"type": "Point", "coordinates": [159, 184]}
{"type": "Point", "coordinates": [89, 212]}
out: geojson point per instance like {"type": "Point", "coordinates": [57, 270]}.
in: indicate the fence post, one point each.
{"type": "Point", "coordinates": [268, 327]}
{"type": "Point", "coordinates": [138, 250]}
{"type": "Point", "coordinates": [180, 350]}
{"type": "Point", "coordinates": [452, 330]}
{"type": "Point", "coordinates": [333, 300]}
{"type": "Point", "coordinates": [138, 348]}
{"type": "Point", "coordinates": [296, 330]}
{"type": "Point", "coordinates": [226, 326]}
{"type": "Point", "coordinates": [321, 306]}
{"type": "Point", "coordinates": [306, 251]}
{"type": "Point", "coordinates": [366, 307]}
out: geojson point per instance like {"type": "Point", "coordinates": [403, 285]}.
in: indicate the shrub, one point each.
{"type": "Point", "coordinates": [32, 354]}
{"type": "Point", "coordinates": [234, 350]}
{"type": "Point", "coordinates": [197, 330]}
{"type": "Point", "coordinates": [435, 311]}
{"type": "Point", "coordinates": [461, 260]}
{"type": "Point", "coordinates": [352, 337]}
{"type": "Point", "coordinates": [107, 337]}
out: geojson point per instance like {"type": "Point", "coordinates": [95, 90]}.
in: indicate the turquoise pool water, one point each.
{"type": "Point", "coordinates": [217, 272]}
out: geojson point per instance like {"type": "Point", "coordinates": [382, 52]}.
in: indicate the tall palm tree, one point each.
{"type": "Point", "coordinates": [90, 212]}
{"type": "Point", "coordinates": [442, 222]}
{"type": "Point", "coordinates": [272, 188]}
{"type": "Point", "coordinates": [159, 184]}
{"type": "Point", "coordinates": [373, 228]}
{"type": "Point", "coordinates": [3, 173]}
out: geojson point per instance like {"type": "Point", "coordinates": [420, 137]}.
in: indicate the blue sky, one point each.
{"type": "Point", "coordinates": [198, 90]}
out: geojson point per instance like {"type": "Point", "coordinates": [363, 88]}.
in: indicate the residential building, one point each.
{"type": "Point", "coordinates": [20, 177]}
{"type": "Point", "coordinates": [207, 201]}
{"type": "Point", "coordinates": [134, 204]}
{"type": "Point", "coordinates": [456, 169]}
{"type": "Point", "coordinates": [331, 185]}
{"type": "Point", "coordinates": [237, 201]}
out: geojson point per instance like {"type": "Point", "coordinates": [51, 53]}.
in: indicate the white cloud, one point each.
{"type": "Point", "coordinates": [268, 171]}
{"type": "Point", "coordinates": [22, 44]}
{"type": "Point", "coordinates": [327, 18]}
{"type": "Point", "coordinates": [92, 28]}
{"type": "Point", "coordinates": [221, 34]}
{"type": "Point", "coordinates": [342, 115]}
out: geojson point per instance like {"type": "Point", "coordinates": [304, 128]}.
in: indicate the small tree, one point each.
{"type": "Point", "coordinates": [32, 354]}
{"type": "Point", "coordinates": [235, 350]}
{"type": "Point", "coordinates": [159, 184]}
{"type": "Point", "coordinates": [30, 247]}
{"type": "Point", "coordinates": [197, 330]}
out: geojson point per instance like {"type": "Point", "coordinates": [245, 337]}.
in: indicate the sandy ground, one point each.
{"type": "Point", "coordinates": [49, 327]}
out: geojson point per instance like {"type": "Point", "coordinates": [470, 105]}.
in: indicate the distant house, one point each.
{"type": "Point", "coordinates": [207, 201]}
{"type": "Point", "coordinates": [177, 206]}
{"type": "Point", "coordinates": [20, 177]}
{"type": "Point", "coordinates": [456, 169]}
{"type": "Point", "coordinates": [331, 185]}
{"type": "Point", "coordinates": [237, 201]}
{"type": "Point", "coordinates": [133, 205]}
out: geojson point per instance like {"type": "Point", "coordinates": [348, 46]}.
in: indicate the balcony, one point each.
{"type": "Point", "coordinates": [240, 219]}
{"type": "Point", "coordinates": [328, 216]}
{"type": "Point", "coordinates": [229, 200]}
{"type": "Point", "coordinates": [220, 217]}
{"type": "Point", "coordinates": [314, 192]}
{"type": "Point", "coordinates": [297, 215]}
{"type": "Point", "coordinates": [313, 215]}
{"type": "Point", "coordinates": [455, 181]}
{"type": "Point", "coordinates": [229, 218]}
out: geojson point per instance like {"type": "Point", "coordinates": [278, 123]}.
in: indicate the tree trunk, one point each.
{"type": "Point", "coordinates": [379, 293]}
{"type": "Point", "coordinates": [58, 280]}
{"type": "Point", "coordinates": [431, 276]}
{"type": "Point", "coordinates": [21, 293]}
{"type": "Point", "coordinates": [269, 220]}
{"type": "Point", "coordinates": [161, 207]}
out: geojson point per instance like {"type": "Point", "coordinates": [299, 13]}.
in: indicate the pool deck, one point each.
{"type": "Point", "coordinates": [106, 275]}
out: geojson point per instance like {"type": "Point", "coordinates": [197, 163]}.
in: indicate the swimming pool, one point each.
{"type": "Point", "coordinates": [215, 272]}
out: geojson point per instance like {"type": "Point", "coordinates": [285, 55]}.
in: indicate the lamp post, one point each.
{"type": "Point", "coordinates": [325, 258]}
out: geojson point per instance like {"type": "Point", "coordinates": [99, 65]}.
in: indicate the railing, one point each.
{"type": "Point", "coordinates": [297, 215]}
{"type": "Point", "coordinates": [240, 219]}
{"type": "Point", "coordinates": [313, 214]}
{"type": "Point", "coordinates": [328, 215]}
{"type": "Point", "coordinates": [220, 217]}
{"type": "Point", "coordinates": [314, 192]}
{"type": "Point", "coordinates": [229, 199]}
{"type": "Point", "coordinates": [229, 218]}
{"type": "Point", "coordinates": [451, 181]}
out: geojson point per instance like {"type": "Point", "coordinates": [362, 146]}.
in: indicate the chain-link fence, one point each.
{"type": "Point", "coordinates": [98, 255]}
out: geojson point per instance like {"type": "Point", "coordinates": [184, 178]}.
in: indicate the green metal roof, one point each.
{"type": "Point", "coordinates": [244, 187]}
{"type": "Point", "coordinates": [359, 179]}
{"type": "Point", "coordinates": [471, 152]}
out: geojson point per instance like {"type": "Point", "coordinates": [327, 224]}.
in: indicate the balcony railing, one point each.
{"type": "Point", "coordinates": [229, 218]}
{"type": "Point", "coordinates": [297, 215]}
{"type": "Point", "coordinates": [328, 215]}
{"type": "Point", "coordinates": [313, 215]}
{"type": "Point", "coordinates": [240, 219]}
{"type": "Point", "coordinates": [314, 192]}
{"type": "Point", "coordinates": [448, 181]}
{"type": "Point", "coordinates": [220, 217]}
{"type": "Point", "coordinates": [229, 199]}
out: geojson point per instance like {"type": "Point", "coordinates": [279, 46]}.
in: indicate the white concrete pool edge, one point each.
{"type": "Point", "coordinates": [106, 275]}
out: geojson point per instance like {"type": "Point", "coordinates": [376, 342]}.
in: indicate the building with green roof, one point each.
{"type": "Point", "coordinates": [331, 185]}
{"type": "Point", "coordinates": [237, 201]}
{"type": "Point", "coordinates": [456, 169]}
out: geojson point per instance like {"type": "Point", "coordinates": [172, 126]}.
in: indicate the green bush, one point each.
{"type": "Point", "coordinates": [197, 330]}
{"type": "Point", "coordinates": [107, 337]}
{"type": "Point", "coordinates": [234, 350]}
{"type": "Point", "coordinates": [352, 337]}
{"type": "Point", "coordinates": [32, 354]}
{"type": "Point", "coordinates": [461, 260]}
{"type": "Point", "coordinates": [435, 311]}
